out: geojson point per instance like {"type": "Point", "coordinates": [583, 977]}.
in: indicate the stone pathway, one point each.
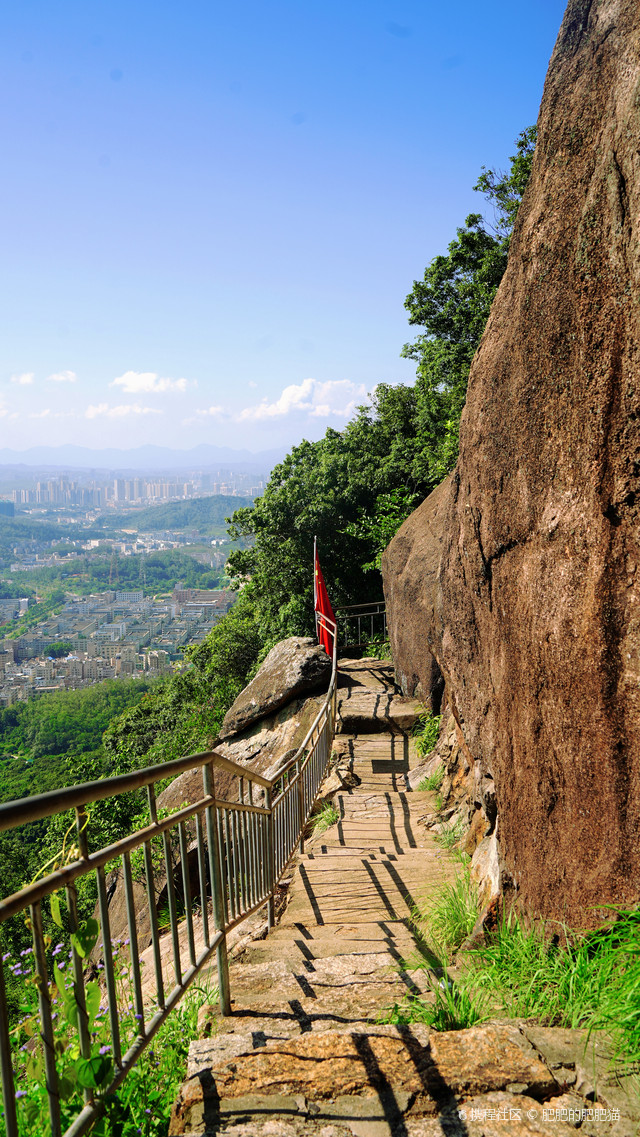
{"type": "Point", "coordinates": [301, 1055]}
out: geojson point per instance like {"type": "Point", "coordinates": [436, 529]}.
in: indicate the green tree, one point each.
{"type": "Point", "coordinates": [355, 487]}
{"type": "Point", "coordinates": [452, 303]}
{"type": "Point", "coordinates": [58, 649]}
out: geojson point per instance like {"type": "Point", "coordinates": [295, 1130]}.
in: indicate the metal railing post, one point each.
{"type": "Point", "coordinates": [301, 817]}
{"type": "Point", "coordinates": [271, 861]}
{"type": "Point", "coordinates": [216, 889]}
{"type": "Point", "coordinates": [8, 1090]}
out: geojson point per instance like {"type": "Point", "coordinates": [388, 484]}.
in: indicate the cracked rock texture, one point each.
{"type": "Point", "coordinates": [293, 667]}
{"type": "Point", "coordinates": [399, 1081]}
{"type": "Point", "coordinates": [535, 621]}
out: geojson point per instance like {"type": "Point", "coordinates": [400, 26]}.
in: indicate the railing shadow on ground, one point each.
{"type": "Point", "coordinates": [242, 849]}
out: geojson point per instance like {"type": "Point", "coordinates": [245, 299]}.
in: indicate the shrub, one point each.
{"type": "Point", "coordinates": [426, 732]}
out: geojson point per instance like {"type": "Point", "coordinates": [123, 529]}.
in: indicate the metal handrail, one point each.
{"type": "Point", "coordinates": [374, 616]}
{"type": "Point", "coordinates": [241, 848]}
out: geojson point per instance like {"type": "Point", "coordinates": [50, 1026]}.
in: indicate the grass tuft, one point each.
{"type": "Point", "coordinates": [452, 1008]}
{"type": "Point", "coordinates": [326, 817]}
{"type": "Point", "coordinates": [447, 917]}
{"type": "Point", "coordinates": [450, 837]}
{"type": "Point", "coordinates": [592, 981]}
{"type": "Point", "coordinates": [433, 781]}
{"type": "Point", "coordinates": [425, 732]}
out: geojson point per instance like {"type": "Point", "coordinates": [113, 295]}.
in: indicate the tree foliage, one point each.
{"type": "Point", "coordinates": [355, 487]}
{"type": "Point", "coordinates": [452, 303]}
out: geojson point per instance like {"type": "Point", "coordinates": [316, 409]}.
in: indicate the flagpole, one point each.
{"type": "Point", "coordinates": [315, 583]}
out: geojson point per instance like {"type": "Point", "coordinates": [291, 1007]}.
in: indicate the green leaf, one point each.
{"type": "Point", "coordinates": [58, 976]}
{"type": "Point", "coordinates": [67, 1082]}
{"type": "Point", "coordinates": [35, 1068]}
{"type": "Point", "coordinates": [32, 1110]}
{"type": "Point", "coordinates": [93, 1072]}
{"type": "Point", "coordinates": [54, 902]}
{"type": "Point", "coordinates": [71, 1007]}
{"type": "Point", "coordinates": [85, 938]}
{"type": "Point", "coordinates": [92, 1001]}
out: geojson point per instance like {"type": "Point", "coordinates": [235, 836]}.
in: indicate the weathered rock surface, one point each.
{"type": "Point", "coordinates": [536, 627]}
{"type": "Point", "coordinates": [267, 1077]}
{"type": "Point", "coordinates": [410, 574]}
{"type": "Point", "coordinates": [293, 667]}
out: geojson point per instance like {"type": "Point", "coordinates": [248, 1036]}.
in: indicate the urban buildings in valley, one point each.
{"type": "Point", "coordinates": [108, 635]}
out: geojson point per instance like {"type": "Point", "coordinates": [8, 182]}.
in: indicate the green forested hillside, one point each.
{"type": "Point", "coordinates": [43, 741]}
{"type": "Point", "coordinates": [153, 572]}
{"type": "Point", "coordinates": [44, 744]}
{"type": "Point", "coordinates": [203, 515]}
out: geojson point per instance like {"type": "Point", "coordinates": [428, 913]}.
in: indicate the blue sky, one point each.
{"type": "Point", "coordinates": [213, 212]}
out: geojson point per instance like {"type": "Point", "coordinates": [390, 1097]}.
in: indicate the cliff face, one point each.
{"type": "Point", "coordinates": [410, 572]}
{"type": "Point", "coordinates": [536, 625]}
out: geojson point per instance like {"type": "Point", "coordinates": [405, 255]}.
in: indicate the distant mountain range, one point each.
{"type": "Point", "coordinates": [159, 458]}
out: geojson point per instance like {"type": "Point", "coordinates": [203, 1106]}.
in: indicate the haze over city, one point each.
{"type": "Point", "coordinates": [213, 215]}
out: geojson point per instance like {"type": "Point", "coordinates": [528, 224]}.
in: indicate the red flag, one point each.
{"type": "Point", "coordinates": [322, 606]}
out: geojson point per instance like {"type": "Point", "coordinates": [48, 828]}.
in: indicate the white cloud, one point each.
{"type": "Point", "coordinates": [338, 397]}
{"type": "Point", "coordinates": [62, 377]}
{"type": "Point", "coordinates": [147, 383]}
{"type": "Point", "coordinates": [205, 413]}
{"type": "Point", "coordinates": [25, 379]}
{"type": "Point", "coordinates": [41, 414]}
{"type": "Point", "coordinates": [210, 412]}
{"type": "Point", "coordinates": [103, 410]}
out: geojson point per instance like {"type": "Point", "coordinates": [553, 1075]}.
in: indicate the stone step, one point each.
{"type": "Point", "coordinates": [363, 711]}
{"type": "Point", "coordinates": [326, 982]}
{"type": "Point", "coordinates": [366, 1081]}
{"type": "Point", "coordinates": [299, 940]}
{"type": "Point", "coordinates": [369, 673]}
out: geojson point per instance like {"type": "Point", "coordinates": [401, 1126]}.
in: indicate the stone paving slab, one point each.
{"type": "Point", "coordinates": [357, 939]}
{"type": "Point", "coordinates": [385, 1073]}
{"type": "Point", "coordinates": [362, 711]}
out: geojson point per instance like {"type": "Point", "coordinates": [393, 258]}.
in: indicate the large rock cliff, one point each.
{"type": "Point", "coordinates": [536, 618]}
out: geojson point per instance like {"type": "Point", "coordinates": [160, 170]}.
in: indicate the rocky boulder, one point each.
{"type": "Point", "coordinates": [410, 574]}
{"type": "Point", "coordinates": [293, 667]}
{"type": "Point", "coordinates": [539, 575]}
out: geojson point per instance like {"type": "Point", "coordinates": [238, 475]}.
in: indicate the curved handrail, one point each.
{"type": "Point", "coordinates": [245, 853]}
